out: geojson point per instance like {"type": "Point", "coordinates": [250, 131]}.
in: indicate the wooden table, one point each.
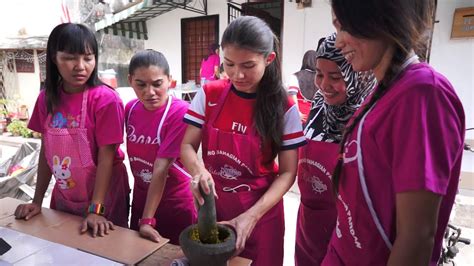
{"type": "Point", "coordinates": [63, 228]}
{"type": "Point", "coordinates": [166, 254]}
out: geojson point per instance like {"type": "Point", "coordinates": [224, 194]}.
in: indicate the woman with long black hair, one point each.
{"type": "Point", "coordinates": [244, 123]}
{"type": "Point", "coordinates": [400, 156]}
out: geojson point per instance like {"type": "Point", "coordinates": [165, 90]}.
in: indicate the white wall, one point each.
{"type": "Point", "coordinates": [304, 27]}
{"type": "Point", "coordinates": [29, 86]}
{"type": "Point", "coordinates": [164, 32]}
{"type": "Point", "coordinates": [455, 57]}
{"type": "Point", "coordinates": [301, 31]}
{"type": "Point", "coordinates": [37, 18]}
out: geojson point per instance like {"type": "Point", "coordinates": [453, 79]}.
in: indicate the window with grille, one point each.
{"type": "Point", "coordinates": [197, 34]}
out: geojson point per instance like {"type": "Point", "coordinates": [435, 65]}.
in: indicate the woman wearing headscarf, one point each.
{"type": "Point", "coordinates": [341, 91]}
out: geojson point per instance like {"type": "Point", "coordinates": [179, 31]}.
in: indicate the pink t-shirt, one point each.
{"type": "Point", "coordinates": [104, 121]}
{"type": "Point", "coordinates": [207, 67]}
{"type": "Point", "coordinates": [143, 124]}
{"type": "Point", "coordinates": [412, 140]}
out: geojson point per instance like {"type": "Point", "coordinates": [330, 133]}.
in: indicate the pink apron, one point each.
{"type": "Point", "coordinates": [232, 159]}
{"type": "Point", "coordinates": [317, 212]}
{"type": "Point", "coordinates": [176, 210]}
{"type": "Point", "coordinates": [359, 237]}
{"type": "Point", "coordinates": [69, 152]}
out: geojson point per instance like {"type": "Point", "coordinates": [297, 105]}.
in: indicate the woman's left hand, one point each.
{"type": "Point", "coordinates": [243, 226]}
{"type": "Point", "coordinates": [147, 231]}
{"type": "Point", "coordinates": [98, 224]}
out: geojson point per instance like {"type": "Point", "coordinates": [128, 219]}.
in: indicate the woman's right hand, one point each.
{"type": "Point", "coordinates": [204, 179]}
{"type": "Point", "coordinates": [147, 231]}
{"type": "Point", "coordinates": [26, 211]}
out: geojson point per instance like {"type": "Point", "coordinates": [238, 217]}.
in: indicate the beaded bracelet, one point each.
{"type": "Point", "coordinates": [149, 221]}
{"type": "Point", "coordinates": [96, 208]}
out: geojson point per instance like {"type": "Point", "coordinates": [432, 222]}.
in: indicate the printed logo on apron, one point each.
{"type": "Point", "coordinates": [133, 138]}
{"type": "Point", "coordinates": [146, 175]}
{"type": "Point", "coordinates": [227, 172]}
{"type": "Point", "coordinates": [144, 171]}
{"type": "Point", "coordinates": [62, 173]}
{"type": "Point", "coordinates": [316, 183]}
{"type": "Point", "coordinates": [352, 230]}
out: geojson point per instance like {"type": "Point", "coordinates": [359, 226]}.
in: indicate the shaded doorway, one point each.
{"type": "Point", "coordinates": [196, 35]}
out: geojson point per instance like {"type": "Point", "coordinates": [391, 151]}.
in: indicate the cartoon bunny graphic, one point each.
{"type": "Point", "coordinates": [62, 172]}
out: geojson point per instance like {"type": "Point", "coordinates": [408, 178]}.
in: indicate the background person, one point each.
{"type": "Point", "coordinates": [210, 65]}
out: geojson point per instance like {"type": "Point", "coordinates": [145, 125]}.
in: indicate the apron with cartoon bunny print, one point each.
{"type": "Point", "coordinates": [68, 153]}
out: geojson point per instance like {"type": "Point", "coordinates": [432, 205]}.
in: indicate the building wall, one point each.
{"type": "Point", "coordinates": [304, 27]}
{"type": "Point", "coordinates": [29, 87]}
{"type": "Point", "coordinates": [164, 32]}
{"type": "Point", "coordinates": [455, 57]}
{"type": "Point", "coordinates": [33, 18]}
{"type": "Point", "coordinates": [301, 31]}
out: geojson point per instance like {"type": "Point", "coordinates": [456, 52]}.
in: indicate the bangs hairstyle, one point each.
{"type": "Point", "coordinates": [70, 38]}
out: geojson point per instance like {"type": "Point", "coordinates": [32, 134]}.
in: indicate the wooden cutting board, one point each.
{"type": "Point", "coordinates": [121, 245]}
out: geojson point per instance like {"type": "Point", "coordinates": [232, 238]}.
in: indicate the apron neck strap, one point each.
{"type": "Point", "coordinates": [84, 108]}
{"type": "Point", "coordinates": [158, 131]}
{"type": "Point", "coordinates": [220, 103]}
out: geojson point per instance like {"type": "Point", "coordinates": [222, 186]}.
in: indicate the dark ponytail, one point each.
{"type": "Point", "coordinates": [253, 34]}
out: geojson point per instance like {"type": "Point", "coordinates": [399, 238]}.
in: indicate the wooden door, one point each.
{"type": "Point", "coordinates": [196, 36]}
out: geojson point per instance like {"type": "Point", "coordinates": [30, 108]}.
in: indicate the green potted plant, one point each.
{"type": "Point", "coordinates": [18, 128]}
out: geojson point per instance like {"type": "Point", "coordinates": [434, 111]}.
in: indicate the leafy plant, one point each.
{"type": "Point", "coordinates": [3, 107]}
{"type": "Point", "coordinates": [18, 128]}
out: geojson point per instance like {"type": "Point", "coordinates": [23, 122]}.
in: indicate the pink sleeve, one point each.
{"type": "Point", "coordinates": [109, 123]}
{"type": "Point", "coordinates": [426, 139]}
{"type": "Point", "coordinates": [38, 117]}
{"type": "Point", "coordinates": [173, 131]}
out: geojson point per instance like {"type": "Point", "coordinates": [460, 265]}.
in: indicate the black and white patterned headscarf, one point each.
{"type": "Point", "coordinates": [326, 122]}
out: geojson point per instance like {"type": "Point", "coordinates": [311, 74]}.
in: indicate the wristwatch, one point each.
{"type": "Point", "coordinates": [149, 221]}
